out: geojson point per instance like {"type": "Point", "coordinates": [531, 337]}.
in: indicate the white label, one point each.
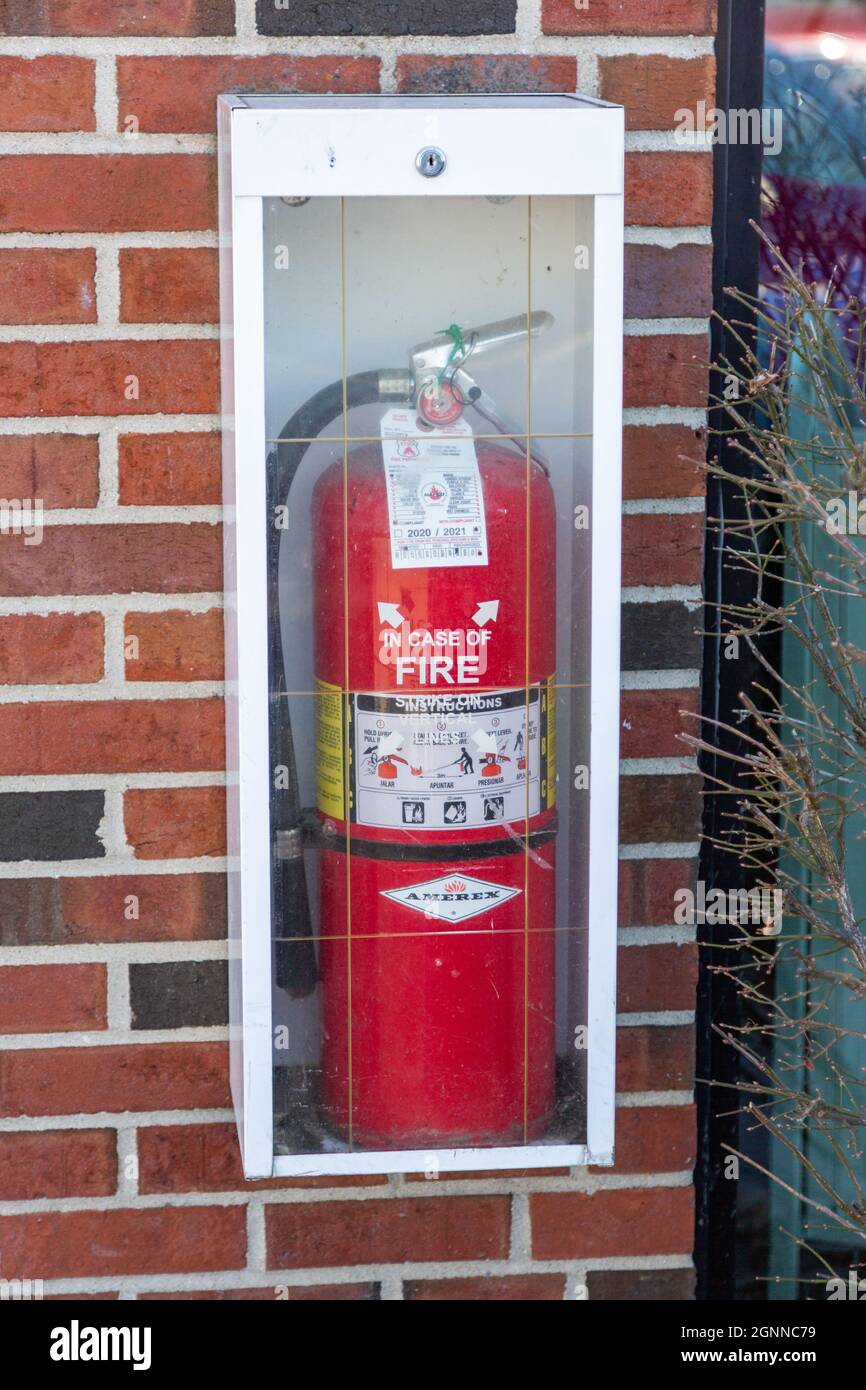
{"type": "Point", "coordinates": [453, 897]}
{"type": "Point", "coordinates": [450, 762]}
{"type": "Point", "coordinates": [435, 500]}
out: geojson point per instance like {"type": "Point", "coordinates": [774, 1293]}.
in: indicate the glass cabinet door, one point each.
{"type": "Point", "coordinates": [428, 374]}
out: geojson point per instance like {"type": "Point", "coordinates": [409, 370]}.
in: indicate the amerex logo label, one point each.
{"type": "Point", "coordinates": [453, 897]}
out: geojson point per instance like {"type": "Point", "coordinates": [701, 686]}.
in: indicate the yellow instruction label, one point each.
{"type": "Point", "coordinates": [330, 742]}
{"type": "Point", "coordinates": [548, 741]}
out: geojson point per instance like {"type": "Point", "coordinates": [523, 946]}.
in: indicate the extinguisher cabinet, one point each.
{"type": "Point", "coordinates": [421, 394]}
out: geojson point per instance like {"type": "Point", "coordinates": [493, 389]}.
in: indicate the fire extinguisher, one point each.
{"type": "Point", "coordinates": [434, 580]}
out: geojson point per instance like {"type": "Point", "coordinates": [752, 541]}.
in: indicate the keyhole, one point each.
{"type": "Point", "coordinates": [430, 161]}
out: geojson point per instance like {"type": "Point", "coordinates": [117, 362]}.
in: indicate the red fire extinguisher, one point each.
{"type": "Point", "coordinates": [434, 591]}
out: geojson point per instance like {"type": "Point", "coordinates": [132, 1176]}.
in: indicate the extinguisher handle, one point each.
{"type": "Point", "coordinates": [438, 352]}
{"type": "Point", "coordinates": [494, 335]}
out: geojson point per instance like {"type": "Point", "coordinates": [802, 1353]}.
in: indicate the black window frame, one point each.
{"type": "Point", "coordinates": [737, 199]}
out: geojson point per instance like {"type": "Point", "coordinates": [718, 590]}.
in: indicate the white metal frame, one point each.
{"type": "Point", "coordinates": [345, 146]}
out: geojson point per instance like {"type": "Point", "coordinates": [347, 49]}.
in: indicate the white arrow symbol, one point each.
{"type": "Point", "coordinates": [486, 612]}
{"type": "Point", "coordinates": [390, 613]}
{"type": "Point", "coordinates": [484, 741]}
{"type": "Point", "coordinates": [390, 743]}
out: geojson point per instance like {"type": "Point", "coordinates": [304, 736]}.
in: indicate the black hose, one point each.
{"type": "Point", "coordinates": [295, 956]}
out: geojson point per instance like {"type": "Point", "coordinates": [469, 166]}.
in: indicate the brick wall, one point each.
{"type": "Point", "coordinates": [119, 1171]}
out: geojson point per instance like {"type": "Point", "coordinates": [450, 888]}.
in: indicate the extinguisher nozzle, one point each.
{"type": "Point", "coordinates": [295, 965]}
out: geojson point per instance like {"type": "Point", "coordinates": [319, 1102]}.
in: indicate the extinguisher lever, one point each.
{"type": "Point", "coordinates": [439, 352]}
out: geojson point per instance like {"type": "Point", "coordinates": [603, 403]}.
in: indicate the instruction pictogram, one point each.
{"type": "Point", "coordinates": [451, 760]}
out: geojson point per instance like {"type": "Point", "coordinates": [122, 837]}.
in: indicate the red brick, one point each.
{"type": "Point", "coordinates": [668, 281]}
{"type": "Point", "coordinates": [654, 1139]}
{"type": "Point", "coordinates": [279, 1293]}
{"type": "Point", "coordinates": [168, 470]}
{"type": "Point", "coordinates": [179, 94]}
{"type": "Point", "coordinates": [485, 72]}
{"type": "Point", "coordinates": [58, 649]}
{"type": "Point", "coordinates": [523, 1288]}
{"type": "Point", "coordinates": [61, 469]}
{"type": "Point", "coordinates": [114, 559]}
{"type": "Point", "coordinates": [629, 17]}
{"type": "Point", "coordinates": [654, 809]}
{"type": "Point", "coordinates": [146, 1076]}
{"type": "Point", "coordinates": [78, 1244]}
{"type": "Point", "coordinates": [666, 369]}
{"type": "Point", "coordinates": [169, 285]}
{"type": "Point", "coordinates": [107, 192]}
{"type": "Point", "coordinates": [58, 1163]}
{"type": "Point", "coordinates": [128, 907]}
{"type": "Point", "coordinates": [171, 907]}
{"type": "Point", "coordinates": [663, 461]}
{"type": "Point", "coordinates": [657, 978]}
{"type": "Point", "coordinates": [55, 286]}
{"type": "Point", "coordinates": [206, 1158]}
{"type": "Point", "coordinates": [112, 736]}
{"type": "Point", "coordinates": [647, 888]}
{"type": "Point", "coordinates": [659, 549]}
{"type": "Point", "coordinates": [94, 378]}
{"type": "Point", "coordinates": [387, 1231]}
{"type": "Point", "coordinates": [177, 285]}
{"type": "Point", "coordinates": [577, 1225]}
{"type": "Point", "coordinates": [110, 18]}
{"type": "Point", "coordinates": [652, 720]}
{"type": "Point", "coordinates": [52, 998]}
{"type": "Point", "coordinates": [175, 822]}
{"type": "Point", "coordinates": [654, 88]}
{"type": "Point", "coordinates": [50, 93]}
{"type": "Point", "coordinates": [668, 189]}
{"type": "Point", "coordinates": [175, 646]}
{"type": "Point", "coordinates": [655, 1059]}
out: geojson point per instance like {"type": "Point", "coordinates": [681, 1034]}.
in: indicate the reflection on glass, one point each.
{"type": "Point", "coordinates": [429, 411]}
